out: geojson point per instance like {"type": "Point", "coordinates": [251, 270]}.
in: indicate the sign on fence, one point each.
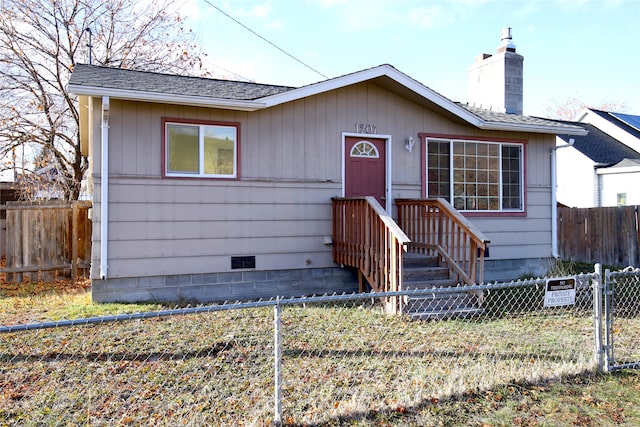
{"type": "Point", "coordinates": [560, 291]}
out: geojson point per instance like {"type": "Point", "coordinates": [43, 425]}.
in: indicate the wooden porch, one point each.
{"type": "Point", "coordinates": [431, 245]}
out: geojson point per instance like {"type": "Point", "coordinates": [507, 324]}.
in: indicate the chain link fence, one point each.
{"type": "Point", "coordinates": [303, 361]}
{"type": "Point", "coordinates": [622, 319]}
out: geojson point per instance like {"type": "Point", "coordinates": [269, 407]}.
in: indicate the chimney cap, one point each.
{"type": "Point", "coordinates": [507, 40]}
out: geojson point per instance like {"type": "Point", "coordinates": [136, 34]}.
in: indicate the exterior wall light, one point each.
{"type": "Point", "coordinates": [409, 143]}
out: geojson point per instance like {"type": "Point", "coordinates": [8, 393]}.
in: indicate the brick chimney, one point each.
{"type": "Point", "coordinates": [495, 81]}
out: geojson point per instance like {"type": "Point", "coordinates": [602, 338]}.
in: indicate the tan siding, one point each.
{"type": "Point", "coordinates": [168, 221]}
{"type": "Point", "coordinates": [132, 122]}
{"type": "Point", "coordinates": [287, 149]}
{"type": "Point", "coordinates": [299, 149]}
{"type": "Point", "coordinates": [165, 211]}
{"type": "Point", "coordinates": [167, 250]}
{"type": "Point", "coordinates": [264, 145]}
{"type": "Point", "coordinates": [539, 160]}
{"type": "Point", "coordinates": [217, 229]}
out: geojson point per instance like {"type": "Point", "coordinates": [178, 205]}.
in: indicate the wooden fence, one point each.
{"type": "Point", "coordinates": [608, 235]}
{"type": "Point", "coordinates": [47, 241]}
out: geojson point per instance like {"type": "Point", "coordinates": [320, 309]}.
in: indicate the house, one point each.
{"type": "Point", "coordinates": [600, 168]}
{"type": "Point", "coordinates": [211, 190]}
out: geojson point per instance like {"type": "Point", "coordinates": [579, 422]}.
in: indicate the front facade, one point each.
{"type": "Point", "coordinates": [224, 195]}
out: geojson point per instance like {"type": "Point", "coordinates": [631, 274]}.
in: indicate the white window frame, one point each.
{"type": "Point", "coordinates": [501, 144]}
{"type": "Point", "coordinates": [201, 140]}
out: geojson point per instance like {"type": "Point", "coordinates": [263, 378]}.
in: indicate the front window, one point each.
{"type": "Point", "coordinates": [476, 175]}
{"type": "Point", "coordinates": [201, 150]}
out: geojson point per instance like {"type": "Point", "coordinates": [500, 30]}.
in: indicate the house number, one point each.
{"type": "Point", "coordinates": [365, 128]}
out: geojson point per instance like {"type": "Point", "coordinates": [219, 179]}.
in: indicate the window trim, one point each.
{"type": "Point", "coordinates": [195, 122]}
{"type": "Point", "coordinates": [468, 138]}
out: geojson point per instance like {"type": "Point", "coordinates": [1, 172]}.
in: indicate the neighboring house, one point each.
{"type": "Point", "coordinates": [601, 168]}
{"type": "Point", "coordinates": [221, 190]}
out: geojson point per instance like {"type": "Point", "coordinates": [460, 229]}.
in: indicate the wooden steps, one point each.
{"type": "Point", "coordinates": [421, 272]}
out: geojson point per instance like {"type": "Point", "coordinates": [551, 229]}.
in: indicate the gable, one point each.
{"type": "Point", "coordinates": [616, 125]}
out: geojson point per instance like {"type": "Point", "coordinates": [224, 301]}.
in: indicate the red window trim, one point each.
{"type": "Point", "coordinates": [475, 214]}
{"type": "Point", "coordinates": [166, 120]}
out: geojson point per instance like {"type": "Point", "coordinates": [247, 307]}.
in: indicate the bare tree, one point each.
{"type": "Point", "coordinates": [40, 43]}
{"type": "Point", "coordinates": [569, 108]}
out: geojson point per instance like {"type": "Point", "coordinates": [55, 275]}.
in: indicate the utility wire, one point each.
{"type": "Point", "coordinates": [231, 72]}
{"type": "Point", "coordinates": [258, 35]}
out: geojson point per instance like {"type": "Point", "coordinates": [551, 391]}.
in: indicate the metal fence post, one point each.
{"type": "Point", "coordinates": [597, 318]}
{"type": "Point", "coordinates": [608, 320]}
{"type": "Point", "coordinates": [277, 313]}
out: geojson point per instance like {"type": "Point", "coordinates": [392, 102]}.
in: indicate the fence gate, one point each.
{"type": "Point", "coordinates": [622, 319]}
{"type": "Point", "coordinates": [44, 241]}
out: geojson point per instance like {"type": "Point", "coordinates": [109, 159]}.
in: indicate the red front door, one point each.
{"type": "Point", "coordinates": [365, 168]}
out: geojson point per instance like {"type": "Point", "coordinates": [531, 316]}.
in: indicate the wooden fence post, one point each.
{"type": "Point", "coordinates": [74, 240]}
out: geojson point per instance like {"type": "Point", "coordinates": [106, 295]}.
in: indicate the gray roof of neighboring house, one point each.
{"type": "Point", "coordinates": [603, 149]}
{"type": "Point", "coordinates": [144, 81]}
{"type": "Point", "coordinates": [625, 122]}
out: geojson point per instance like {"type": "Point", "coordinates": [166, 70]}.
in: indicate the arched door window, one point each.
{"type": "Point", "coordinates": [365, 149]}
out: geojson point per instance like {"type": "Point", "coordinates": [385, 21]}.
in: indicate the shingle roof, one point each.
{"type": "Point", "coordinates": [143, 81]}
{"type": "Point", "coordinates": [157, 87]}
{"type": "Point", "coordinates": [600, 147]}
{"type": "Point", "coordinates": [619, 120]}
{"type": "Point", "coordinates": [516, 119]}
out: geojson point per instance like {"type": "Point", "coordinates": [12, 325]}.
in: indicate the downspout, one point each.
{"type": "Point", "coordinates": [554, 196]}
{"type": "Point", "coordinates": [104, 188]}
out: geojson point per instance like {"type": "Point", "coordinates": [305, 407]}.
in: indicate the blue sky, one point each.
{"type": "Point", "coordinates": [585, 49]}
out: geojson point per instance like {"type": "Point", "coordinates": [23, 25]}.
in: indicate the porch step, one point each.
{"type": "Point", "coordinates": [412, 285]}
{"type": "Point", "coordinates": [411, 260]}
{"type": "Point", "coordinates": [461, 313]}
{"type": "Point", "coordinates": [422, 272]}
{"type": "Point", "coordinates": [443, 305]}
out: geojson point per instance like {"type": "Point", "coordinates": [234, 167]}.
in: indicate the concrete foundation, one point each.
{"type": "Point", "coordinates": [228, 286]}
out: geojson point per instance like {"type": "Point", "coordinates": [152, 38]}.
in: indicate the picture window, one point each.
{"type": "Point", "coordinates": [476, 175]}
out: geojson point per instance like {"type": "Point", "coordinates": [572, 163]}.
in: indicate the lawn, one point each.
{"type": "Point", "coordinates": [345, 364]}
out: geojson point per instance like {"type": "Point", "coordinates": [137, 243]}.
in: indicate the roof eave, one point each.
{"type": "Point", "coordinates": [612, 169]}
{"type": "Point", "coordinates": [197, 101]}
{"type": "Point", "coordinates": [519, 127]}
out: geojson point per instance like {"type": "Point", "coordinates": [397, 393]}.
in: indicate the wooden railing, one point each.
{"type": "Point", "coordinates": [367, 238]}
{"type": "Point", "coordinates": [436, 228]}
